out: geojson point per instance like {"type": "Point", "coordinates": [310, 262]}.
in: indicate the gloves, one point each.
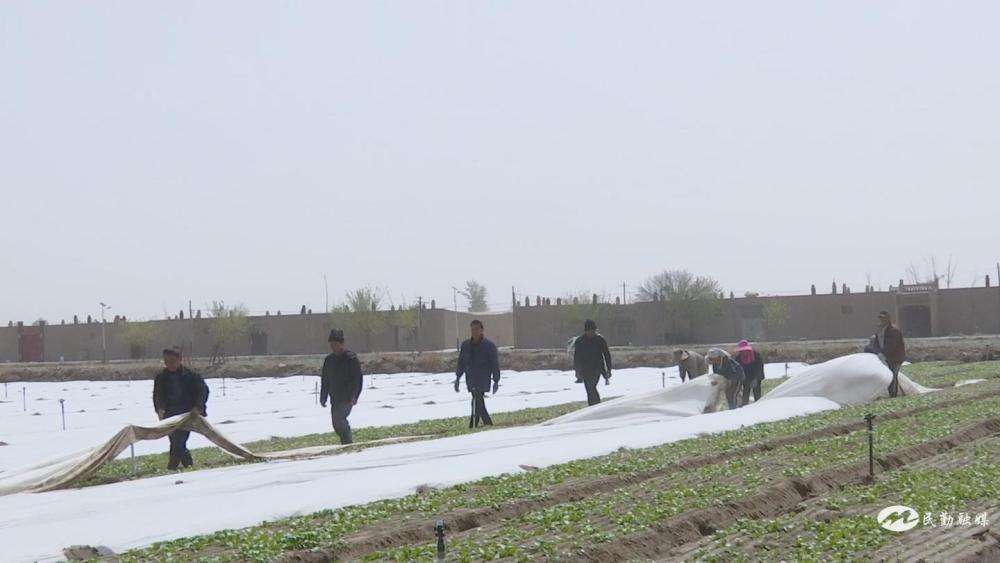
{"type": "Point", "coordinates": [456, 385]}
{"type": "Point", "coordinates": [496, 385]}
{"type": "Point", "coordinates": [322, 404]}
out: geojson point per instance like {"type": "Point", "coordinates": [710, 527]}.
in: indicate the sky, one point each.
{"type": "Point", "coordinates": [156, 153]}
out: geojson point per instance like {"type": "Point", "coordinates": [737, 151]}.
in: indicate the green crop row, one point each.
{"type": "Point", "coordinates": [327, 528]}
{"type": "Point", "coordinates": [851, 537]}
{"type": "Point", "coordinates": [603, 517]}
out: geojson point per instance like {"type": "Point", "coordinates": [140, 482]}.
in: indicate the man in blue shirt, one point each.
{"type": "Point", "coordinates": [478, 361]}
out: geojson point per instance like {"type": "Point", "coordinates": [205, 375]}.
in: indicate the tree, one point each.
{"type": "Point", "coordinates": [138, 336]}
{"type": "Point", "coordinates": [229, 326]}
{"type": "Point", "coordinates": [932, 272]}
{"type": "Point", "coordinates": [405, 318]}
{"type": "Point", "coordinates": [476, 294]}
{"type": "Point", "coordinates": [363, 316]}
{"type": "Point", "coordinates": [689, 299]}
{"type": "Point", "coordinates": [775, 313]}
{"type": "Point", "coordinates": [678, 285]}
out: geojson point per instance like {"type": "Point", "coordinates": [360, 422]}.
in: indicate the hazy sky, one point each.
{"type": "Point", "coordinates": [152, 153]}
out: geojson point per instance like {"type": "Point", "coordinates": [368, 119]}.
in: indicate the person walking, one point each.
{"type": "Point", "coordinates": [478, 361]}
{"type": "Point", "coordinates": [591, 360]}
{"type": "Point", "coordinates": [341, 383]}
{"type": "Point", "coordinates": [178, 390]}
{"type": "Point", "coordinates": [889, 345]}
{"type": "Point", "coordinates": [752, 363]}
{"type": "Point", "coordinates": [728, 368]}
{"type": "Point", "coordinates": [690, 364]}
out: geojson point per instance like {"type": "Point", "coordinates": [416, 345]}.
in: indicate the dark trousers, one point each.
{"type": "Point", "coordinates": [479, 412]}
{"type": "Point", "coordinates": [749, 386]}
{"type": "Point", "coordinates": [894, 384]}
{"type": "Point", "coordinates": [338, 414]}
{"type": "Point", "coordinates": [590, 383]}
{"type": "Point", "coordinates": [732, 393]}
{"type": "Point", "coordinates": [179, 453]}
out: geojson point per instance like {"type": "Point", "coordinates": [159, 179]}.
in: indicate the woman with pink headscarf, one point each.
{"type": "Point", "coordinates": [753, 367]}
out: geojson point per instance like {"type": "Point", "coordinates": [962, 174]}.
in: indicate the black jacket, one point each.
{"type": "Point", "coordinates": [341, 377]}
{"type": "Point", "coordinates": [730, 369]}
{"type": "Point", "coordinates": [479, 363]}
{"type": "Point", "coordinates": [753, 370]}
{"type": "Point", "coordinates": [179, 392]}
{"type": "Point", "coordinates": [591, 356]}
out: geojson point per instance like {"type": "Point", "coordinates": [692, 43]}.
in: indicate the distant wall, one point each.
{"type": "Point", "coordinates": [276, 335]}
{"type": "Point", "coordinates": [807, 317]}
{"type": "Point", "coordinates": [941, 312]}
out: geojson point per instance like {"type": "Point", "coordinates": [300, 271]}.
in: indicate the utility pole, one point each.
{"type": "Point", "coordinates": [104, 335]}
{"type": "Point", "coordinates": [194, 329]}
{"type": "Point", "coordinates": [624, 294]}
{"type": "Point", "coordinates": [326, 285]}
{"type": "Point", "coordinates": [420, 314]}
{"type": "Point", "coordinates": [513, 316]}
{"type": "Point", "coordinates": [454, 294]}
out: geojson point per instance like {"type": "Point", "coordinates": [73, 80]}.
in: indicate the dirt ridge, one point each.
{"type": "Point", "coordinates": [774, 500]}
{"type": "Point", "coordinates": [391, 534]}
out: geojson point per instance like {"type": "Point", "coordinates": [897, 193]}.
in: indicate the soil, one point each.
{"type": "Point", "coordinates": [970, 348]}
{"type": "Point", "coordinates": [957, 544]}
{"type": "Point", "coordinates": [781, 495]}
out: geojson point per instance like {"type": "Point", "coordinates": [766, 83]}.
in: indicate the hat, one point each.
{"type": "Point", "coordinates": [716, 353]}
{"type": "Point", "coordinates": [744, 346]}
{"type": "Point", "coordinates": [336, 335]}
{"type": "Point", "coordinates": [172, 351]}
{"type": "Point", "coordinates": [589, 325]}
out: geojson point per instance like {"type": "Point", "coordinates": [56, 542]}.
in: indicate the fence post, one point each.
{"type": "Point", "coordinates": [871, 447]}
{"type": "Point", "coordinates": [439, 532]}
{"type": "Point", "coordinates": [62, 407]}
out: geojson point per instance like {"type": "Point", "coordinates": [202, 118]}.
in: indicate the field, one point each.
{"type": "Point", "coordinates": [793, 489]}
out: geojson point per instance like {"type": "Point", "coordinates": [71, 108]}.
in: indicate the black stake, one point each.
{"type": "Point", "coordinates": [62, 407]}
{"type": "Point", "coordinates": [871, 447]}
{"type": "Point", "coordinates": [439, 531]}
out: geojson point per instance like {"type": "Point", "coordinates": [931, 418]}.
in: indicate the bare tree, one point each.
{"type": "Point", "coordinates": [691, 299]}
{"type": "Point", "coordinates": [931, 272]}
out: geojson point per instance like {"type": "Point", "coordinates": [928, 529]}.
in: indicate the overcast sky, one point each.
{"type": "Point", "coordinates": [152, 153]}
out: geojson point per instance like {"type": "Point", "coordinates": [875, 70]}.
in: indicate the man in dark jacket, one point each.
{"type": "Point", "coordinates": [889, 344]}
{"type": "Point", "coordinates": [591, 360]}
{"type": "Point", "coordinates": [178, 390]}
{"type": "Point", "coordinates": [342, 383]}
{"type": "Point", "coordinates": [478, 361]}
{"type": "Point", "coordinates": [728, 368]}
{"type": "Point", "coordinates": [753, 370]}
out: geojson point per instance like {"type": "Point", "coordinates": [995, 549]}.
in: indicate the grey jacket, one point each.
{"type": "Point", "coordinates": [695, 365]}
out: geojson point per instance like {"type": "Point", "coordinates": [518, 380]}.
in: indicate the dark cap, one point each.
{"type": "Point", "coordinates": [172, 351]}
{"type": "Point", "coordinates": [336, 335]}
{"type": "Point", "coordinates": [589, 325]}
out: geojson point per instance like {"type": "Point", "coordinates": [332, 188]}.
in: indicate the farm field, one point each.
{"type": "Point", "coordinates": [621, 506]}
